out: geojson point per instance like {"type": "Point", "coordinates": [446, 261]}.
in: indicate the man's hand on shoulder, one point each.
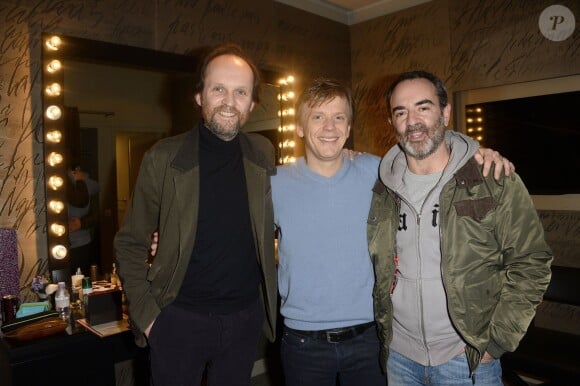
{"type": "Point", "coordinates": [351, 154]}
{"type": "Point", "coordinates": [488, 156]}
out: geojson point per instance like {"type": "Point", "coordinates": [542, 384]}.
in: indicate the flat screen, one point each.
{"type": "Point", "coordinates": [539, 134]}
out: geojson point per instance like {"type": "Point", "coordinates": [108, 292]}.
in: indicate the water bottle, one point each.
{"type": "Point", "coordinates": [62, 301]}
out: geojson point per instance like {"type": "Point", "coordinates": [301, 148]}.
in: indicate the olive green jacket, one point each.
{"type": "Point", "coordinates": [493, 285]}
{"type": "Point", "coordinates": [166, 197]}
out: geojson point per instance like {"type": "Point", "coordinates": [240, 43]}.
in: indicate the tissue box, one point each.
{"type": "Point", "coordinates": [104, 306]}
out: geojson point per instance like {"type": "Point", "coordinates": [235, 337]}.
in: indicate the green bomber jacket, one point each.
{"type": "Point", "coordinates": [493, 286]}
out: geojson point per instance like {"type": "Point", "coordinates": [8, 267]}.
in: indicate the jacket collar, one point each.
{"type": "Point", "coordinates": [379, 187]}
{"type": "Point", "coordinates": [187, 159]}
{"type": "Point", "coordinates": [468, 175]}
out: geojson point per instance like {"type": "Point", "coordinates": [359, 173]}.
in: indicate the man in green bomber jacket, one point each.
{"type": "Point", "coordinates": [460, 259]}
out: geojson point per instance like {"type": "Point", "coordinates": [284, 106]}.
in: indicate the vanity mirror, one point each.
{"type": "Point", "coordinates": [104, 106]}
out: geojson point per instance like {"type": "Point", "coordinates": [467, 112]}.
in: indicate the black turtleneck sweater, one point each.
{"type": "Point", "coordinates": [223, 274]}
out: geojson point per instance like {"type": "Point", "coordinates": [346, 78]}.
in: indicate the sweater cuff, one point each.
{"type": "Point", "coordinates": [494, 349]}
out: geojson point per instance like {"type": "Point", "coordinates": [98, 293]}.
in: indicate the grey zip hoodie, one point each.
{"type": "Point", "coordinates": [422, 329]}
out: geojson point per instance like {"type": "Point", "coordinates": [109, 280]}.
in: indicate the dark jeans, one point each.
{"type": "Point", "coordinates": [182, 343]}
{"type": "Point", "coordinates": [309, 361]}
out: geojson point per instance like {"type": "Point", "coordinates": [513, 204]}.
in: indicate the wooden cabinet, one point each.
{"type": "Point", "coordinates": [81, 358]}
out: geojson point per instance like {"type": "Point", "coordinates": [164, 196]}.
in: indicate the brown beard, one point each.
{"type": "Point", "coordinates": [229, 132]}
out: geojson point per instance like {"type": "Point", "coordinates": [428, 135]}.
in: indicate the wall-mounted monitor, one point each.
{"type": "Point", "coordinates": [536, 125]}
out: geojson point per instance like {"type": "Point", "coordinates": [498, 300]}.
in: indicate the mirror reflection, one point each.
{"type": "Point", "coordinates": [114, 111]}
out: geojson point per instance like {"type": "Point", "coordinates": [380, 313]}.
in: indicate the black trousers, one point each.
{"type": "Point", "coordinates": [183, 343]}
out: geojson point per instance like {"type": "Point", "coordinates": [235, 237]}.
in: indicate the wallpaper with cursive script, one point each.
{"type": "Point", "coordinates": [469, 44]}
{"type": "Point", "coordinates": [278, 37]}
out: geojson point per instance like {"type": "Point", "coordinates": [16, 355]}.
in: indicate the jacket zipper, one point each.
{"type": "Point", "coordinates": [421, 303]}
{"type": "Point", "coordinates": [419, 264]}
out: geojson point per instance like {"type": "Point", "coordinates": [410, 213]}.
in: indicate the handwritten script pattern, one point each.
{"type": "Point", "coordinates": [471, 44]}
{"type": "Point", "coordinates": [269, 31]}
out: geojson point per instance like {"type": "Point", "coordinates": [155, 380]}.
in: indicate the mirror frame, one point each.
{"type": "Point", "coordinates": [66, 49]}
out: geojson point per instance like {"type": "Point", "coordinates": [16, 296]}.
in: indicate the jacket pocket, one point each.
{"type": "Point", "coordinates": [476, 209]}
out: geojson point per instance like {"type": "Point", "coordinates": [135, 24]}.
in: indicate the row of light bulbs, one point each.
{"type": "Point", "coordinates": [474, 120]}
{"type": "Point", "coordinates": [56, 208]}
{"type": "Point", "coordinates": [287, 126]}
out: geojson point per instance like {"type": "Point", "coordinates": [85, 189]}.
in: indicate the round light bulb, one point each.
{"type": "Point", "coordinates": [55, 182]}
{"type": "Point", "coordinates": [53, 89]}
{"type": "Point", "coordinates": [54, 136]}
{"type": "Point", "coordinates": [59, 252]}
{"type": "Point", "coordinates": [53, 112]}
{"type": "Point", "coordinates": [53, 66]}
{"type": "Point", "coordinates": [53, 43]}
{"type": "Point", "coordinates": [57, 229]}
{"type": "Point", "coordinates": [56, 206]}
{"type": "Point", "coordinates": [54, 159]}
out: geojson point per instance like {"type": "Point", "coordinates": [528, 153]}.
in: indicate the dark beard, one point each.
{"type": "Point", "coordinates": [221, 132]}
{"type": "Point", "coordinates": [225, 133]}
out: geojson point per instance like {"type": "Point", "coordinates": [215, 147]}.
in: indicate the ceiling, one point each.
{"type": "Point", "coordinates": [352, 11]}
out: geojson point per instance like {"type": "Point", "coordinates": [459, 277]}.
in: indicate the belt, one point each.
{"type": "Point", "coordinates": [336, 335]}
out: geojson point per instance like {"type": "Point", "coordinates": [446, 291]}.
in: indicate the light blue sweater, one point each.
{"type": "Point", "coordinates": [325, 274]}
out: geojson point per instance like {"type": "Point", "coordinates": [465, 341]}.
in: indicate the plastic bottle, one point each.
{"type": "Point", "coordinates": [62, 301]}
{"type": "Point", "coordinates": [114, 277]}
{"type": "Point", "coordinates": [77, 281]}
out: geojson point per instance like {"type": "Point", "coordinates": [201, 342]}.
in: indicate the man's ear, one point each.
{"type": "Point", "coordinates": [252, 106]}
{"type": "Point", "coordinates": [300, 130]}
{"type": "Point", "coordinates": [197, 98]}
{"type": "Point", "coordinates": [447, 114]}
